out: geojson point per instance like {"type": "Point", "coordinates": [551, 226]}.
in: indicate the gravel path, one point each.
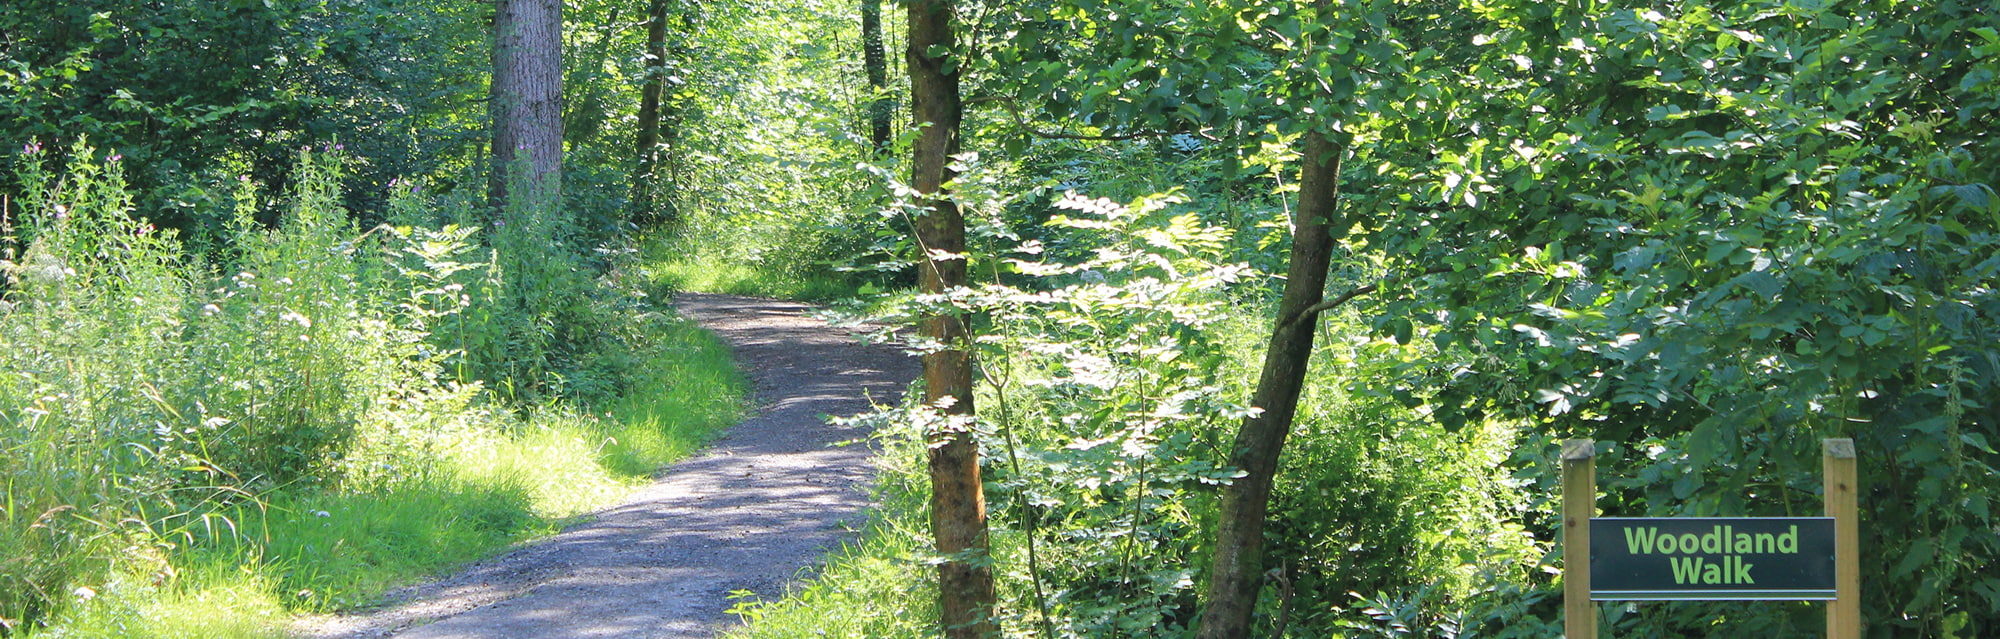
{"type": "Point", "coordinates": [769, 498]}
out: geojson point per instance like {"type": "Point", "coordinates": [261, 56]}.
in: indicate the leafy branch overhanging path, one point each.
{"type": "Point", "coordinates": [769, 497]}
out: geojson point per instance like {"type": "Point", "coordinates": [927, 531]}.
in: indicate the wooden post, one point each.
{"type": "Point", "coordinates": [1579, 477]}
{"type": "Point", "coordinates": [1843, 614]}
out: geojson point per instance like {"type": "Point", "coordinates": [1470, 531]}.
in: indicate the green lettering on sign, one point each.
{"type": "Point", "coordinates": [1711, 558]}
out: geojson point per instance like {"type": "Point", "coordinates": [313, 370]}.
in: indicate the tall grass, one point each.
{"type": "Point", "coordinates": [194, 448]}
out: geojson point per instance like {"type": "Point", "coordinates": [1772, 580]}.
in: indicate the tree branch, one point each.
{"type": "Point", "coordinates": [1021, 122]}
{"type": "Point", "coordinates": [1313, 311]}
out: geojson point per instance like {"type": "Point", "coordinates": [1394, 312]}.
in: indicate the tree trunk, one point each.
{"type": "Point", "coordinates": [1237, 563]}
{"type": "Point", "coordinates": [958, 501]}
{"type": "Point", "coordinates": [875, 59]}
{"type": "Point", "coordinates": [647, 205]}
{"type": "Point", "coordinates": [527, 99]}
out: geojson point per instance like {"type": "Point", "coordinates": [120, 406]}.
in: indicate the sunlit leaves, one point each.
{"type": "Point", "coordinates": [1767, 227]}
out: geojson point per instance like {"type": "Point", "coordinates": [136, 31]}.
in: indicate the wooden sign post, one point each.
{"type": "Point", "coordinates": [1579, 460]}
{"type": "Point", "coordinates": [1843, 614]}
{"type": "Point", "coordinates": [1710, 558]}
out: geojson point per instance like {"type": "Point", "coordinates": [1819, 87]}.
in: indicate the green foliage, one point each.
{"type": "Point", "coordinates": [89, 324]}
{"type": "Point", "coordinates": [195, 93]}
{"type": "Point", "coordinates": [1712, 233]}
{"type": "Point", "coordinates": [1705, 234]}
{"type": "Point", "coordinates": [1731, 230]}
{"type": "Point", "coordinates": [159, 415]}
{"type": "Point", "coordinates": [1374, 497]}
{"type": "Point", "coordinates": [766, 161]}
{"type": "Point", "coordinates": [1107, 394]}
{"type": "Point", "coordinates": [62, 297]}
{"type": "Point", "coordinates": [201, 601]}
{"type": "Point", "coordinates": [1114, 368]}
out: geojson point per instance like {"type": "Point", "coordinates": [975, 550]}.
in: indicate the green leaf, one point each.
{"type": "Point", "coordinates": [1401, 329]}
{"type": "Point", "coordinates": [1917, 555]}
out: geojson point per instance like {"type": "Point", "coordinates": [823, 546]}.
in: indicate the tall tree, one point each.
{"type": "Point", "coordinates": [875, 60]}
{"type": "Point", "coordinates": [958, 501]}
{"type": "Point", "coordinates": [527, 97]}
{"type": "Point", "coordinates": [647, 206]}
{"type": "Point", "coordinates": [1237, 563]}
{"type": "Point", "coordinates": [1323, 85]}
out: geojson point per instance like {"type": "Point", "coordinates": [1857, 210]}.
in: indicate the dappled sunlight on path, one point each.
{"type": "Point", "coordinates": [770, 497]}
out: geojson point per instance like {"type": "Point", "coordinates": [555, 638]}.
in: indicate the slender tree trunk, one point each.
{"type": "Point", "coordinates": [527, 97]}
{"type": "Point", "coordinates": [1237, 563]}
{"type": "Point", "coordinates": [958, 501]}
{"type": "Point", "coordinates": [584, 113]}
{"type": "Point", "coordinates": [875, 59]}
{"type": "Point", "coordinates": [647, 205]}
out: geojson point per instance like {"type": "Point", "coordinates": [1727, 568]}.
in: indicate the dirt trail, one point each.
{"type": "Point", "coordinates": [768, 498]}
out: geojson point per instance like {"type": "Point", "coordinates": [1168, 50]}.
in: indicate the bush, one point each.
{"type": "Point", "coordinates": [155, 404]}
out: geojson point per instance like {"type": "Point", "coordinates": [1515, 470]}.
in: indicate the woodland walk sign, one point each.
{"type": "Point", "coordinates": [1711, 558]}
{"type": "Point", "coordinates": [1727, 558]}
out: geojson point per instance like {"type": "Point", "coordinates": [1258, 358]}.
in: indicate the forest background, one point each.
{"type": "Point", "coordinates": [277, 334]}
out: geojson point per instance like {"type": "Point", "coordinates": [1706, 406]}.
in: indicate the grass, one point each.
{"type": "Point", "coordinates": [209, 600]}
{"type": "Point", "coordinates": [746, 279]}
{"type": "Point", "coordinates": [497, 481]}
{"type": "Point", "coordinates": [285, 432]}
{"type": "Point", "coordinates": [872, 589]}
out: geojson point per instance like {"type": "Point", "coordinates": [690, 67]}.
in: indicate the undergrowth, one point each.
{"type": "Point", "coordinates": [1111, 377]}
{"type": "Point", "coordinates": [201, 445]}
{"type": "Point", "coordinates": [708, 274]}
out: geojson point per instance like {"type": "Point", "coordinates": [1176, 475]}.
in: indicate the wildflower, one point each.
{"type": "Point", "coordinates": [115, 157]}
{"type": "Point", "coordinates": [31, 148]}
{"type": "Point", "coordinates": [85, 593]}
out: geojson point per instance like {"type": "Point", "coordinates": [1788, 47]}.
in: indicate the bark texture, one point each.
{"type": "Point", "coordinates": [652, 200]}
{"type": "Point", "coordinates": [875, 60]}
{"type": "Point", "coordinates": [527, 96]}
{"type": "Point", "coordinates": [1238, 560]}
{"type": "Point", "coordinates": [958, 501]}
